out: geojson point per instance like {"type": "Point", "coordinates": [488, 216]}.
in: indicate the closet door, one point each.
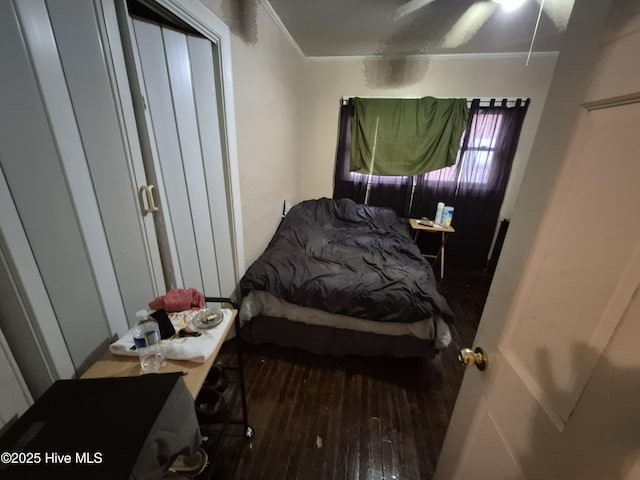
{"type": "Point", "coordinates": [102, 108]}
{"type": "Point", "coordinates": [176, 76]}
{"type": "Point", "coordinates": [72, 166]}
{"type": "Point", "coordinates": [43, 162]}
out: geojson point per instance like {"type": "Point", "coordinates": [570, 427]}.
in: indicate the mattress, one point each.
{"type": "Point", "coordinates": [260, 303]}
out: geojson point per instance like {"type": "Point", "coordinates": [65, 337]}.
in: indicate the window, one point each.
{"type": "Point", "coordinates": [475, 163]}
{"type": "Point", "coordinates": [474, 185]}
{"type": "Point", "coordinates": [477, 160]}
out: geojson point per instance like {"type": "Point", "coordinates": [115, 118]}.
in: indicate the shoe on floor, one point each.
{"type": "Point", "coordinates": [189, 464]}
{"type": "Point", "coordinates": [217, 379]}
{"type": "Point", "coordinates": [210, 406]}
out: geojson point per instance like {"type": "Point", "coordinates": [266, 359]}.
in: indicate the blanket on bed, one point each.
{"type": "Point", "coordinates": [349, 259]}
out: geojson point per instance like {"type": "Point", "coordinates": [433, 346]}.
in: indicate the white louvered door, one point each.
{"type": "Point", "coordinates": [177, 79]}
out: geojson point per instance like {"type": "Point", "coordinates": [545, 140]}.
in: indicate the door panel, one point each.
{"type": "Point", "coordinates": [205, 90]}
{"type": "Point", "coordinates": [179, 66]}
{"type": "Point", "coordinates": [83, 56]}
{"type": "Point", "coordinates": [38, 34]}
{"type": "Point", "coordinates": [165, 135]}
{"type": "Point", "coordinates": [561, 388]}
{"type": "Point", "coordinates": [484, 436]}
{"type": "Point", "coordinates": [30, 157]}
{"type": "Point", "coordinates": [574, 291]}
{"type": "Point", "coordinates": [17, 324]}
{"type": "Point", "coordinates": [177, 80]}
{"type": "Point", "coordinates": [26, 315]}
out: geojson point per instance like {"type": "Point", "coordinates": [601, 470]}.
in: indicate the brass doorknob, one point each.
{"type": "Point", "coordinates": [475, 357]}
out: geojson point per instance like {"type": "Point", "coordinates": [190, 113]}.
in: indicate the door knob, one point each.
{"type": "Point", "coordinates": [475, 357]}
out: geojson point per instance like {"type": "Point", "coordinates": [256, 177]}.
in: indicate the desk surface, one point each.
{"type": "Point", "coordinates": [435, 228]}
{"type": "Point", "coordinates": [111, 365]}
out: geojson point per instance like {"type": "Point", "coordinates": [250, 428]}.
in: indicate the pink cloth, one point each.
{"type": "Point", "coordinates": [178, 300]}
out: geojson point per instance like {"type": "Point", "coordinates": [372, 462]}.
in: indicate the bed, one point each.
{"type": "Point", "coordinates": [343, 278]}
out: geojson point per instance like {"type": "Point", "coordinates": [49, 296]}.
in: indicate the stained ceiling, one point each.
{"type": "Point", "coordinates": [408, 27]}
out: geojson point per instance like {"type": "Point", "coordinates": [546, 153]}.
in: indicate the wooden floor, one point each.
{"type": "Point", "coordinates": [318, 417]}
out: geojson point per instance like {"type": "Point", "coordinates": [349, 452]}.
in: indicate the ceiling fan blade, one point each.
{"type": "Point", "coordinates": [469, 24]}
{"type": "Point", "coordinates": [410, 7]}
{"type": "Point", "coordinates": [558, 11]}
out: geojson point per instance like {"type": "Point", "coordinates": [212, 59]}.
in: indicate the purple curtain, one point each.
{"type": "Point", "coordinates": [474, 186]}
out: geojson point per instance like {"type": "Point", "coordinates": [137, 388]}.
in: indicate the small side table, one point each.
{"type": "Point", "coordinates": [110, 365]}
{"type": "Point", "coordinates": [445, 230]}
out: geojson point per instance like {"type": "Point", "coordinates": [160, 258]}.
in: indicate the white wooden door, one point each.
{"type": "Point", "coordinates": [177, 79]}
{"type": "Point", "coordinates": [561, 397]}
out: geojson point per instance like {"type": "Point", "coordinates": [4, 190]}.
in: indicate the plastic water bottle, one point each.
{"type": "Point", "coordinates": [439, 210]}
{"type": "Point", "coordinates": [146, 337]}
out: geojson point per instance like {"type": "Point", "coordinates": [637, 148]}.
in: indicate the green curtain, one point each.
{"type": "Point", "coordinates": [397, 136]}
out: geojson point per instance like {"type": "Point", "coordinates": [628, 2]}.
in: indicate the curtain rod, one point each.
{"type": "Point", "coordinates": [484, 101]}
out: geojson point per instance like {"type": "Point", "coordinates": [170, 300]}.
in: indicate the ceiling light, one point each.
{"type": "Point", "coordinates": [510, 5]}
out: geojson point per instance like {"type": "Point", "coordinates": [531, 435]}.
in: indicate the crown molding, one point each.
{"type": "Point", "coordinates": [276, 19]}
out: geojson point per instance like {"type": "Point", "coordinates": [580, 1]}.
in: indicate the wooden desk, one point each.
{"type": "Point", "coordinates": [445, 230]}
{"type": "Point", "coordinates": [111, 365]}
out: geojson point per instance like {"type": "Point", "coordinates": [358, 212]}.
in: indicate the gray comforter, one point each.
{"type": "Point", "coordinates": [349, 259]}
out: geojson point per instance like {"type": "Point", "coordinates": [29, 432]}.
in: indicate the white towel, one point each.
{"type": "Point", "coordinates": [195, 349]}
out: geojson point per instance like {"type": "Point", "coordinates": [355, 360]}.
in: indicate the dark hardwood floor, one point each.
{"type": "Point", "coordinates": [318, 417]}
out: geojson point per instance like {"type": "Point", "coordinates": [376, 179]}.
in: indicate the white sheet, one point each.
{"type": "Point", "coordinates": [260, 302]}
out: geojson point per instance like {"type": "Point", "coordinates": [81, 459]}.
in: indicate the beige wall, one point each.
{"type": "Point", "coordinates": [326, 81]}
{"type": "Point", "coordinates": [267, 78]}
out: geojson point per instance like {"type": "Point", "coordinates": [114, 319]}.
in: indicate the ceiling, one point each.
{"type": "Point", "coordinates": [411, 27]}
